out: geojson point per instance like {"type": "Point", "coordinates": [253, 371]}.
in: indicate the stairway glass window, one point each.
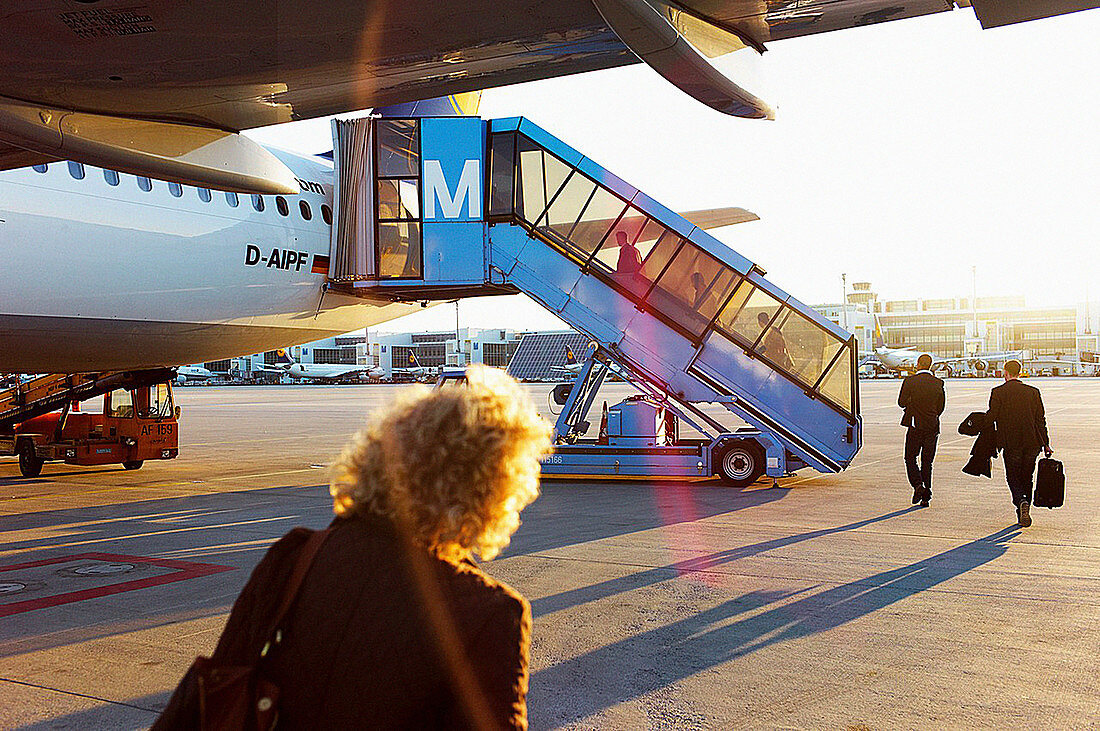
{"type": "Point", "coordinates": [601, 213]}
{"type": "Point", "coordinates": [838, 384]}
{"type": "Point", "coordinates": [619, 252]}
{"type": "Point", "coordinates": [540, 177]}
{"type": "Point", "coordinates": [502, 159]}
{"type": "Point", "coordinates": [398, 147]}
{"type": "Point", "coordinates": [398, 199]}
{"type": "Point", "coordinates": [809, 348]}
{"type": "Point", "coordinates": [565, 209]}
{"type": "Point", "coordinates": [748, 312]}
{"type": "Point", "coordinates": [692, 289]}
{"type": "Point", "coordinates": [399, 249]}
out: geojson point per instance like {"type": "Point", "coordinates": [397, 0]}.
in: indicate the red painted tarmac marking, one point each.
{"type": "Point", "coordinates": [184, 570]}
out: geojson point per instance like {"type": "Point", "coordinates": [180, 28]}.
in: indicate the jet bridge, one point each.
{"type": "Point", "coordinates": [438, 208]}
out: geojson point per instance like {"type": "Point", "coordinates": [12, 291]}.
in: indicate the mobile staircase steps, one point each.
{"type": "Point", "coordinates": [53, 391]}
{"type": "Point", "coordinates": [679, 312]}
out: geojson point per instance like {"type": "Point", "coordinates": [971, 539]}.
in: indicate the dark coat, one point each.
{"type": "Point", "coordinates": [923, 399]}
{"type": "Point", "coordinates": [985, 446]}
{"type": "Point", "coordinates": [1017, 410]}
{"type": "Point", "coordinates": [384, 635]}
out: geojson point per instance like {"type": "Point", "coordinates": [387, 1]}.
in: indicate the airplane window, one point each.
{"type": "Point", "coordinates": [40, 168]}
{"type": "Point", "coordinates": [307, 214]}
{"type": "Point", "coordinates": [204, 194]}
{"type": "Point", "coordinates": [258, 202]}
{"type": "Point", "coordinates": [175, 189]}
{"type": "Point", "coordinates": [231, 199]}
{"type": "Point", "coordinates": [326, 213]}
{"type": "Point", "coordinates": [76, 169]}
{"type": "Point", "coordinates": [111, 177]}
{"type": "Point", "coordinates": [144, 183]}
{"type": "Point", "coordinates": [280, 203]}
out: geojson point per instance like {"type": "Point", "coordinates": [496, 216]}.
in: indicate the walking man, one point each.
{"type": "Point", "coordinates": [1016, 411]}
{"type": "Point", "coordinates": [923, 399]}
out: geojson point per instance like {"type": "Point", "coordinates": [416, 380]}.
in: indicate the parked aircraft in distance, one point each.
{"type": "Point", "coordinates": [570, 368]}
{"type": "Point", "coordinates": [414, 371]}
{"type": "Point", "coordinates": [319, 371]}
{"type": "Point", "coordinates": [195, 374]}
{"type": "Point", "coordinates": [904, 359]}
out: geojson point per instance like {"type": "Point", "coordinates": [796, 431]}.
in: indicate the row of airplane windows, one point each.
{"type": "Point", "coordinates": [76, 170]}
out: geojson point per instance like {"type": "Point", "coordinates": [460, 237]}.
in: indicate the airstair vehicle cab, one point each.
{"type": "Point", "coordinates": [139, 420]}
{"type": "Point", "coordinates": [436, 208]}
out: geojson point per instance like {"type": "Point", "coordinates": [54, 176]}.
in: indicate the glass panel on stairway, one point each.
{"type": "Point", "coordinates": [809, 347]}
{"type": "Point", "coordinates": [619, 252]}
{"type": "Point", "coordinates": [837, 384]}
{"type": "Point", "coordinates": [557, 223]}
{"type": "Point", "coordinates": [747, 313]}
{"type": "Point", "coordinates": [692, 289]}
{"type": "Point", "coordinates": [502, 175]}
{"type": "Point", "coordinates": [399, 250]}
{"type": "Point", "coordinates": [531, 180]}
{"type": "Point", "coordinates": [398, 147]}
{"type": "Point", "coordinates": [398, 199]}
{"type": "Point", "coordinates": [599, 215]}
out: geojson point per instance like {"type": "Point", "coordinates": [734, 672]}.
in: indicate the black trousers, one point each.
{"type": "Point", "coordinates": [920, 444]}
{"type": "Point", "coordinates": [1019, 473]}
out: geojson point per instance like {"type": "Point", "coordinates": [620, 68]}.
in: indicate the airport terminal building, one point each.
{"type": "Point", "coordinates": [957, 327]}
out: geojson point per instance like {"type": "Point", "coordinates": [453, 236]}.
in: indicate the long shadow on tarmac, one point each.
{"type": "Point", "coordinates": [577, 512]}
{"type": "Point", "coordinates": [582, 686]}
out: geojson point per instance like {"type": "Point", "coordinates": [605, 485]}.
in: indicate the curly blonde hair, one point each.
{"type": "Point", "coordinates": [453, 467]}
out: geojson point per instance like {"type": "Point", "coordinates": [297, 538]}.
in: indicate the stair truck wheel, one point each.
{"type": "Point", "coordinates": [739, 463]}
{"type": "Point", "coordinates": [30, 464]}
{"type": "Point", "coordinates": [133, 464]}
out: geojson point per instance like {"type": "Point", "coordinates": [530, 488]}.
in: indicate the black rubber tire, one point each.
{"type": "Point", "coordinates": [30, 464]}
{"type": "Point", "coordinates": [134, 464]}
{"type": "Point", "coordinates": [739, 463]}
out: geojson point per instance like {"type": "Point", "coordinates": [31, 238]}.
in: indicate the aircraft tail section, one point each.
{"type": "Point", "coordinates": [879, 340]}
{"type": "Point", "coordinates": [570, 356]}
{"type": "Point", "coordinates": [283, 359]}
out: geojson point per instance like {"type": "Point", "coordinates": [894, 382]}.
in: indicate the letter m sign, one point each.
{"type": "Point", "coordinates": [436, 190]}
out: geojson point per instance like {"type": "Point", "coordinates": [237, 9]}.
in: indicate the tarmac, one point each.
{"type": "Point", "coordinates": [827, 601]}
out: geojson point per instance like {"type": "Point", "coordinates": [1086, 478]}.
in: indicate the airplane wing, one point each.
{"type": "Point", "coordinates": [158, 88]}
{"type": "Point", "coordinates": [709, 218]}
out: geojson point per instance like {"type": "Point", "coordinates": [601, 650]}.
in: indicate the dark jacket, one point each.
{"type": "Point", "coordinates": [1017, 410]}
{"type": "Point", "coordinates": [985, 446]}
{"type": "Point", "coordinates": [923, 399]}
{"type": "Point", "coordinates": [384, 635]}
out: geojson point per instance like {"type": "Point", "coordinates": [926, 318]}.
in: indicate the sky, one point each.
{"type": "Point", "coordinates": [902, 154]}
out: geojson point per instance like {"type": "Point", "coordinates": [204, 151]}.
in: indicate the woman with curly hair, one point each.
{"type": "Point", "coordinates": [394, 625]}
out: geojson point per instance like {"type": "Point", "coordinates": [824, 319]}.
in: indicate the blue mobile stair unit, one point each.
{"type": "Point", "coordinates": [461, 206]}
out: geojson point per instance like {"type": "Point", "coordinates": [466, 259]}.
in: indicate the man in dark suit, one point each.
{"type": "Point", "coordinates": [923, 399]}
{"type": "Point", "coordinates": [1016, 410]}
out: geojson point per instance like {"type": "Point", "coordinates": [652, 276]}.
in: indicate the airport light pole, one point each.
{"type": "Point", "coordinates": [844, 297]}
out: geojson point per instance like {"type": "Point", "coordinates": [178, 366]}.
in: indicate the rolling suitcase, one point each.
{"type": "Point", "coordinates": [1050, 484]}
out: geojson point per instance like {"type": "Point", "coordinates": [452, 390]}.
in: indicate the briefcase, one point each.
{"type": "Point", "coordinates": [1050, 484]}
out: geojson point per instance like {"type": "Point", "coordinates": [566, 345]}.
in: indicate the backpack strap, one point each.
{"type": "Point", "coordinates": [302, 565]}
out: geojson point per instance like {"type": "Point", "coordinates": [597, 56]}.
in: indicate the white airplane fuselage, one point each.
{"type": "Point", "coordinates": [98, 276]}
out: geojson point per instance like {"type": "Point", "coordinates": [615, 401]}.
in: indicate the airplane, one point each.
{"type": "Point", "coordinates": [904, 359]}
{"type": "Point", "coordinates": [318, 371]}
{"type": "Point", "coordinates": [158, 90]}
{"type": "Point", "coordinates": [168, 238]}
{"type": "Point", "coordinates": [194, 374]}
{"type": "Point", "coordinates": [415, 371]}
{"type": "Point", "coordinates": [570, 368]}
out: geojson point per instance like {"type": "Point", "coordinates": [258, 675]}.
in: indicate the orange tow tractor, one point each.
{"type": "Point", "coordinates": [136, 424]}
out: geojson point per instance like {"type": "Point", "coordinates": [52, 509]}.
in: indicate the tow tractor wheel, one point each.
{"type": "Point", "coordinates": [740, 463]}
{"type": "Point", "coordinates": [134, 464]}
{"type": "Point", "coordinates": [30, 464]}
